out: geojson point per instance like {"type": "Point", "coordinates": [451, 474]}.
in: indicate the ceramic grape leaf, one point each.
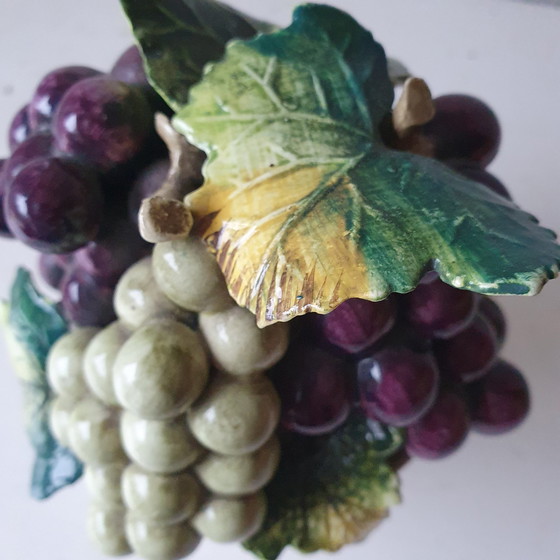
{"type": "Point", "coordinates": [32, 325]}
{"type": "Point", "coordinates": [178, 37]}
{"type": "Point", "coordinates": [329, 491]}
{"type": "Point", "coordinates": [304, 205]}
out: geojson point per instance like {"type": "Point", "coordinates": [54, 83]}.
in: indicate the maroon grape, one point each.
{"type": "Point", "coordinates": [87, 301]}
{"type": "Point", "coordinates": [102, 120]}
{"type": "Point", "coordinates": [397, 385]}
{"type": "Point", "coordinates": [429, 277]}
{"type": "Point", "coordinates": [314, 388]}
{"type": "Point", "coordinates": [438, 309]}
{"type": "Point", "coordinates": [494, 315]}
{"type": "Point", "coordinates": [4, 231]}
{"type": "Point", "coordinates": [53, 205]}
{"type": "Point", "coordinates": [36, 146]}
{"type": "Point", "coordinates": [20, 129]}
{"type": "Point", "coordinates": [500, 400]}
{"type": "Point", "coordinates": [50, 90]}
{"type": "Point", "coordinates": [356, 324]}
{"type": "Point", "coordinates": [476, 173]}
{"type": "Point", "coordinates": [129, 67]}
{"type": "Point", "coordinates": [463, 127]}
{"type": "Point", "coordinates": [52, 268]}
{"type": "Point", "coordinates": [113, 252]}
{"type": "Point", "coordinates": [441, 430]}
{"type": "Point", "coordinates": [146, 184]}
{"type": "Point", "coordinates": [469, 354]}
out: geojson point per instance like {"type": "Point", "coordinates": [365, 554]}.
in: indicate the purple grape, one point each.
{"type": "Point", "coordinates": [20, 128]}
{"type": "Point", "coordinates": [36, 146]}
{"type": "Point", "coordinates": [356, 324]}
{"type": "Point", "coordinates": [441, 430]}
{"type": "Point", "coordinates": [129, 67]}
{"type": "Point", "coordinates": [113, 252]}
{"type": "Point", "coordinates": [314, 390]}
{"type": "Point", "coordinates": [53, 205]}
{"type": "Point", "coordinates": [429, 277]}
{"type": "Point", "coordinates": [397, 385]}
{"type": "Point", "coordinates": [468, 355]}
{"type": "Point", "coordinates": [4, 231]}
{"type": "Point", "coordinates": [438, 309]}
{"type": "Point", "coordinates": [500, 400]}
{"type": "Point", "coordinates": [490, 310]}
{"type": "Point", "coordinates": [87, 301]}
{"type": "Point", "coordinates": [476, 173]}
{"type": "Point", "coordinates": [146, 184]}
{"type": "Point", "coordinates": [52, 268]}
{"type": "Point", "coordinates": [463, 127]}
{"type": "Point", "coordinates": [50, 90]}
{"type": "Point", "coordinates": [102, 120]}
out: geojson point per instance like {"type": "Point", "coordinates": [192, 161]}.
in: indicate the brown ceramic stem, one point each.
{"type": "Point", "coordinates": [163, 216]}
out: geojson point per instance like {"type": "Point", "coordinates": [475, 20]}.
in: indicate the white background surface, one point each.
{"type": "Point", "coordinates": [496, 499]}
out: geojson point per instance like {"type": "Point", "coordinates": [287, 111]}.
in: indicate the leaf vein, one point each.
{"type": "Point", "coordinates": [287, 116]}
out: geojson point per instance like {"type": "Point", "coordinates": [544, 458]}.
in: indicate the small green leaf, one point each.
{"type": "Point", "coordinates": [178, 37]}
{"type": "Point", "coordinates": [329, 491]}
{"type": "Point", "coordinates": [304, 204]}
{"type": "Point", "coordinates": [32, 325]}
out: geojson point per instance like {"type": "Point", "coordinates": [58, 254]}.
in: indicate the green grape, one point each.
{"type": "Point", "coordinates": [159, 446]}
{"type": "Point", "coordinates": [160, 498]}
{"type": "Point", "coordinates": [104, 484]}
{"type": "Point", "coordinates": [231, 519]}
{"type": "Point", "coordinates": [138, 298]}
{"type": "Point", "coordinates": [64, 363]}
{"type": "Point", "coordinates": [189, 275]}
{"type": "Point", "coordinates": [93, 432]}
{"type": "Point", "coordinates": [238, 346]}
{"type": "Point", "coordinates": [59, 417]}
{"type": "Point", "coordinates": [160, 370]}
{"type": "Point", "coordinates": [237, 475]}
{"type": "Point", "coordinates": [99, 359]}
{"type": "Point", "coordinates": [106, 528]}
{"type": "Point", "coordinates": [235, 418]}
{"type": "Point", "coordinates": [154, 541]}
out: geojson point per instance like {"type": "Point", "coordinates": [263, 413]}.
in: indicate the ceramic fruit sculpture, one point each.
{"type": "Point", "coordinates": [315, 310]}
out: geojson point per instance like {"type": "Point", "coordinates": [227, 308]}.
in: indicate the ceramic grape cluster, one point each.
{"type": "Point", "coordinates": [275, 282]}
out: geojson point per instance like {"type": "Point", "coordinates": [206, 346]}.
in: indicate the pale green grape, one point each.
{"type": "Point", "coordinates": [160, 370]}
{"type": "Point", "coordinates": [189, 275]}
{"type": "Point", "coordinates": [99, 359]}
{"type": "Point", "coordinates": [235, 418]}
{"type": "Point", "coordinates": [160, 498]}
{"type": "Point", "coordinates": [238, 346]}
{"type": "Point", "coordinates": [106, 528]}
{"type": "Point", "coordinates": [104, 484]}
{"type": "Point", "coordinates": [237, 475]}
{"type": "Point", "coordinates": [159, 446]}
{"type": "Point", "coordinates": [138, 298]}
{"type": "Point", "coordinates": [160, 542]}
{"type": "Point", "coordinates": [64, 363]}
{"type": "Point", "coordinates": [59, 417]}
{"type": "Point", "coordinates": [231, 519]}
{"type": "Point", "coordinates": [93, 432]}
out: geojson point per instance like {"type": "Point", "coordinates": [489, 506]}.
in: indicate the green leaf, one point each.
{"type": "Point", "coordinates": [306, 207]}
{"type": "Point", "coordinates": [178, 37]}
{"type": "Point", "coordinates": [329, 491]}
{"type": "Point", "coordinates": [32, 325]}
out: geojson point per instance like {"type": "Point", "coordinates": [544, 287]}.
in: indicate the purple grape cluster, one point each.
{"type": "Point", "coordinates": [426, 362]}
{"type": "Point", "coordinates": [83, 154]}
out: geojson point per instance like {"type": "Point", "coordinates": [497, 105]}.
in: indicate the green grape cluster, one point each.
{"type": "Point", "coordinates": [170, 409]}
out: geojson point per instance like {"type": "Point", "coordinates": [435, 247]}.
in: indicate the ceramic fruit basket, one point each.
{"type": "Point", "coordinates": [277, 256]}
